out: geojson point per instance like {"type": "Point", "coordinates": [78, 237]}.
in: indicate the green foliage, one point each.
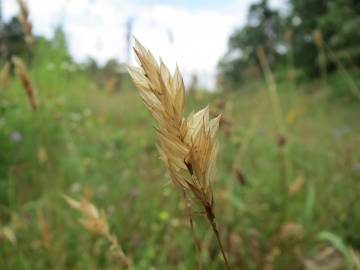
{"type": "Point", "coordinates": [264, 28]}
{"type": "Point", "coordinates": [338, 243]}
{"type": "Point", "coordinates": [303, 20]}
{"type": "Point", "coordinates": [317, 37]}
{"type": "Point", "coordinates": [340, 26]}
{"type": "Point", "coordinates": [105, 143]}
{"type": "Point", "coordinates": [84, 140]}
{"type": "Point", "coordinates": [12, 39]}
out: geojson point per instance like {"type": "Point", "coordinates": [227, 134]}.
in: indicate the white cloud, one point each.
{"type": "Point", "coordinates": [98, 29]}
{"type": "Point", "coordinates": [200, 37]}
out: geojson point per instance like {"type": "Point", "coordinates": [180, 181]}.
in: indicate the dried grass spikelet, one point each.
{"type": "Point", "coordinates": [42, 155]}
{"type": "Point", "coordinates": [294, 114]}
{"type": "Point", "coordinates": [25, 21]}
{"type": "Point", "coordinates": [44, 228]}
{"type": "Point", "coordinates": [318, 38]}
{"type": "Point", "coordinates": [95, 221]}
{"type": "Point", "coordinates": [296, 185]}
{"type": "Point", "coordinates": [110, 85]}
{"type": "Point", "coordinates": [188, 147]}
{"type": "Point", "coordinates": [291, 231]}
{"type": "Point", "coordinates": [23, 74]}
{"type": "Point", "coordinates": [8, 234]}
{"type": "Point", "coordinates": [288, 35]}
{"type": "Point", "coordinates": [92, 219]}
{"type": "Point", "coordinates": [224, 108]}
{"type": "Point", "coordinates": [5, 76]}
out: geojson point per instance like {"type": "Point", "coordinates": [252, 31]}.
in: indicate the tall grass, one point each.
{"type": "Point", "coordinates": [84, 141]}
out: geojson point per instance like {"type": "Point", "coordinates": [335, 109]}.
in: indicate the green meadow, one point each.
{"type": "Point", "coordinates": [286, 192]}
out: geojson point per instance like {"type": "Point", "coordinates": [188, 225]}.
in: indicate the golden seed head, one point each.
{"type": "Point", "coordinates": [25, 22]}
{"type": "Point", "coordinates": [318, 38]}
{"type": "Point", "coordinates": [93, 220]}
{"type": "Point", "coordinates": [5, 76]}
{"type": "Point", "coordinates": [187, 146]}
{"type": "Point", "coordinates": [23, 74]}
{"type": "Point", "coordinates": [8, 234]}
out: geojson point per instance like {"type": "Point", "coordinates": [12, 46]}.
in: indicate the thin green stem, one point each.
{"type": "Point", "coordinates": [211, 218]}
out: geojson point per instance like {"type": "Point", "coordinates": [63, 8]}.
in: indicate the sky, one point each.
{"type": "Point", "coordinates": [190, 33]}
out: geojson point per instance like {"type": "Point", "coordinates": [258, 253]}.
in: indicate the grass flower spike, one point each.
{"type": "Point", "coordinates": [95, 221]}
{"type": "Point", "coordinates": [22, 72]}
{"type": "Point", "coordinates": [25, 21]}
{"type": "Point", "coordinates": [187, 146]}
{"type": "Point", "coordinates": [5, 76]}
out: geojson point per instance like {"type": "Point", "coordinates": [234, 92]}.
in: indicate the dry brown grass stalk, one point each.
{"type": "Point", "coordinates": [5, 76]}
{"type": "Point", "coordinates": [23, 74]}
{"type": "Point", "coordinates": [188, 147]}
{"type": "Point", "coordinates": [46, 237]}
{"type": "Point", "coordinates": [95, 222]}
{"type": "Point", "coordinates": [25, 21]}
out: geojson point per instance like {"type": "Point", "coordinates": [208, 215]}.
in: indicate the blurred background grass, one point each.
{"type": "Point", "coordinates": [287, 196]}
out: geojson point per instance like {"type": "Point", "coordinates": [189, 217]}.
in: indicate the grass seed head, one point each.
{"type": "Point", "coordinates": [5, 76]}
{"type": "Point", "coordinates": [93, 220]}
{"type": "Point", "coordinates": [25, 21]}
{"type": "Point", "coordinates": [187, 146]}
{"type": "Point", "coordinates": [8, 234]}
{"type": "Point", "coordinates": [318, 38]}
{"type": "Point", "coordinates": [23, 74]}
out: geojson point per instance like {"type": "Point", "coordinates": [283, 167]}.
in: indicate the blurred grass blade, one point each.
{"type": "Point", "coordinates": [236, 201]}
{"type": "Point", "coordinates": [309, 204]}
{"type": "Point", "coordinates": [340, 246]}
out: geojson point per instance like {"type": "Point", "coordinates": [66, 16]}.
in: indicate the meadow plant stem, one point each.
{"type": "Point", "coordinates": [274, 98]}
{"type": "Point", "coordinates": [211, 217]}
{"type": "Point", "coordinates": [118, 250]}
{"type": "Point", "coordinates": [249, 135]}
{"type": "Point", "coordinates": [319, 42]}
{"type": "Point", "coordinates": [272, 88]}
{"type": "Point", "coordinates": [323, 64]}
{"type": "Point", "coordinates": [286, 170]}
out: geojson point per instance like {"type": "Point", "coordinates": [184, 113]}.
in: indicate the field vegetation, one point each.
{"type": "Point", "coordinates": [286, 191]}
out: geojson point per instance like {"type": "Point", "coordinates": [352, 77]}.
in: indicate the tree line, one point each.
{"type": "Point", "coordinates": [311, 38]}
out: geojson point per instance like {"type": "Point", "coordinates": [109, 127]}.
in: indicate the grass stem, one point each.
{"type": "Point", "coordinates": [211, 217]}
{"type": "Point", "coordinates": [118, 250]}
